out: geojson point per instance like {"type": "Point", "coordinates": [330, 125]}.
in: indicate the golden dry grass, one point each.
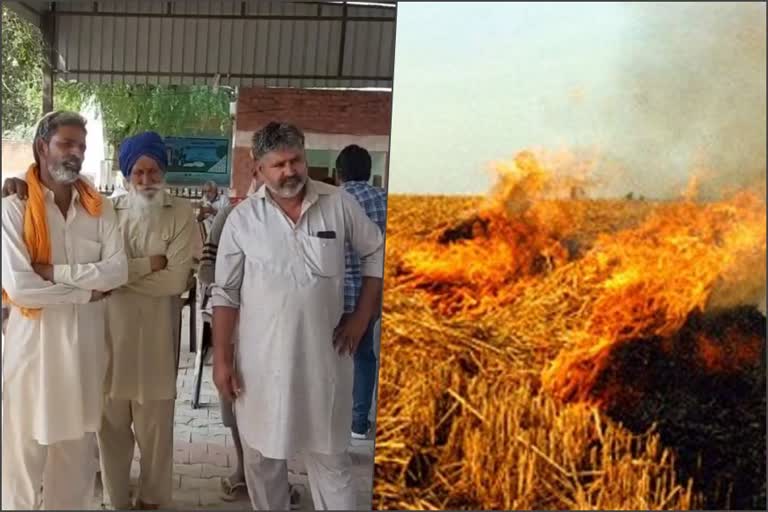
{"type": "Point", "coordinates": [462, 420]}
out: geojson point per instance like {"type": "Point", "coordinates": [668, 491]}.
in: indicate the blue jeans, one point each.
{"type": "Point", "coordinates": [365, 380]}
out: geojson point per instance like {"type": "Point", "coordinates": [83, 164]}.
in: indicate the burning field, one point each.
{"type": "Point", "coordinates": [546, 351]}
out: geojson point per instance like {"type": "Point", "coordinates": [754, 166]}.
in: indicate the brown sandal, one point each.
{"type": "Point", "coordinates": [230, 490]}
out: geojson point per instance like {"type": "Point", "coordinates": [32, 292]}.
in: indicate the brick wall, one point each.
{"type": "Point", "coordinates": [343, 113]}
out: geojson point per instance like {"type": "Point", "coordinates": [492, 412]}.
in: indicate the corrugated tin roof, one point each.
{"type": "Point", "coordinates": [243, 43]}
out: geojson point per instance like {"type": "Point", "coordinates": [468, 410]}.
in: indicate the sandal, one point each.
{"type": "Point", "coordinates": [231, 490]}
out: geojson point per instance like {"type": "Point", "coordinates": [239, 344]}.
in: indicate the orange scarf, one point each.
{"type": "Point", "coordinates": [36, 226]}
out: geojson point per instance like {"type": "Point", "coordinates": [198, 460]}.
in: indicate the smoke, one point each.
{"type": "Point", "coordinates": [692, 97]}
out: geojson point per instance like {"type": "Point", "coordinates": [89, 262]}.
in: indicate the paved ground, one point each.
{"type": "Point", "coordinates": [204, 451]}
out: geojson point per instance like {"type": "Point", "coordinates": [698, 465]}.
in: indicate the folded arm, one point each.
{"type": "Point", "coordinates": [105, 275]}
{"type": "Point", "coordinates": [174, 279]}
{"type": "Point", "coordinates": [23, 285]}
{"type": "Point", "coordinates": [138, 268]}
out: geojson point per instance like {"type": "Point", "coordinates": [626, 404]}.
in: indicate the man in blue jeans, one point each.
{"type": "Point", "coordinates": [353, 166]}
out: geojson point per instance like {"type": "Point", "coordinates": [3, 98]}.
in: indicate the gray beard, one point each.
{"type": "Point", "coordinates": [143, 202]}
{"type": "Point", "coordinates": [288, 192]}
{"type": "Point", "coordinates": [64, 176]}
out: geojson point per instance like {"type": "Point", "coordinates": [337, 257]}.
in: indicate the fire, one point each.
{"type": "Point", "coordinates": [644, 281]}
{"type": "Point", "coordinates": [513, 236]}
{"type": "Point", "coordinates": [630, 305]}
{"type": "Point", "coordinates": [650, 279]}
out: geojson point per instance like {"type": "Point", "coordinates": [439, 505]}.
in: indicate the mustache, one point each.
{"type": "Point", "coordinates": [293, 180]}
{"type": "Point", "coordinates": [73, 163]}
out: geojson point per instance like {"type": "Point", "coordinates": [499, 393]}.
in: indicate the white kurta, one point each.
{"type": "Point", "coordinates": [288, 284]}
{"type": "Point", "coordinates": [219, 204]}
{"type": "Point", "coordinates": [56, 363]}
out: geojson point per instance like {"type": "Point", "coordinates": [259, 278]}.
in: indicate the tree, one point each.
{"type": "Point", "coordinates": [22, 75]}
{"type": "Point", "coordinates": [168, 110]}
{"type": "Point", "coordinates": [127, 108]}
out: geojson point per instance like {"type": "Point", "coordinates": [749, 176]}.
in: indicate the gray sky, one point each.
{"type": "Point", "coordinates": [654, 89]}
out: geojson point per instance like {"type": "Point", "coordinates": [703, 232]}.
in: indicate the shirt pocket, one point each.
{"type": "Point", "coordinates": [324, 256]}
{"type": "Point", "coordinates": [87, 251]}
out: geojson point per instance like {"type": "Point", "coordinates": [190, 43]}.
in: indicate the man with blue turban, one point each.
{"type": "Point", "coordinates": [159, 231]}
{"type": "Point", "coordinates": [160, 238]}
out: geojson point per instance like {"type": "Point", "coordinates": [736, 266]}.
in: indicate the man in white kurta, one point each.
{"type": "Point", "coordinates": [212, 204]}
{"type": "Point", "coordinates": [283, 268]}
{"type": "Point", "coordinates": [143, 326]}
{"type": "Point", "coordinates": [54, 368]}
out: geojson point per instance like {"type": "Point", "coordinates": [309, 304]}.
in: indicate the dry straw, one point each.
{"type": "Point", "coordinates": [463, 421]}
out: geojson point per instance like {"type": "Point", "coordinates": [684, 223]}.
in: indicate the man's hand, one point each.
{"type": "Point", "coordinates": [96, 295]}
{"type": "Point", "coordinates": [44, 271]}
{"type": "Point", "coordinates": [226, 379]}
{"type": "Point", "coordinates": [205, 212]}
{"type": "Point", "coordinates": [158, 263]}
{"type": "Point", "coordinates": [349, 332]}
{"type": "Point", "coordinates": [15, 186]}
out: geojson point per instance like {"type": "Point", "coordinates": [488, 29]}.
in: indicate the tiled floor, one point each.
{"type": "Point", "coordinates": [204, 451]}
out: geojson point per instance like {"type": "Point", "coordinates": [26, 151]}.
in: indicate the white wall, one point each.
{"type": "Point", "coordinates": [97, 145]}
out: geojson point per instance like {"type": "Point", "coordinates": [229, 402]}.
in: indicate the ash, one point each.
{"type": "Point", "coordinates": [708, 401]}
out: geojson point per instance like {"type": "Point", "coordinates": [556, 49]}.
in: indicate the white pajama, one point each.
{"type": "Point", "coordinates": [66, 470]}
{"type": "Point", "coordinates": [54, 369]}
{"type": "Point", "coordinates": [330, 481]}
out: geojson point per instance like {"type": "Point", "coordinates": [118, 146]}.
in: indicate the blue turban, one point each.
{"type": "Point", "coordinates": [144, 144]}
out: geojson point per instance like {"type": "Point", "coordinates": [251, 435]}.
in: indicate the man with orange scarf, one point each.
{"type": "Point", "coordinates": [159, 233]}
{"type": "Point", "coordinates": [62, 254]}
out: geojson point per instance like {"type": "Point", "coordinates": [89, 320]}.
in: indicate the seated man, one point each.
{"type": "Point", "coordinates": [205, 275]}
{"type": "Point", "coordinates": [213, 202]}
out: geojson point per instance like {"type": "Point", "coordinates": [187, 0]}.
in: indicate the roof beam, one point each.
{"type": "Point", "coordinates": [184, 74]}
{"type": "Point", "coordinates": [266, 17]}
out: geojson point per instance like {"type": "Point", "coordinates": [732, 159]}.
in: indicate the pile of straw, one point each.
{"type": "Point", "coordinates": [462, 421]}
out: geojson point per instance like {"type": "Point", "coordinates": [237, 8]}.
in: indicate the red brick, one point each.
{"type": "Point", "coordinates": [317, 111]}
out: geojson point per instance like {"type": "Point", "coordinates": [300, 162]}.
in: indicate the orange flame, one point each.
{"type": "Point", "coordinates": [512, 238]}
{"type": "Point", "coordinates": [640, 282]}
{"type": "Point", "coordinates": [654, 276]}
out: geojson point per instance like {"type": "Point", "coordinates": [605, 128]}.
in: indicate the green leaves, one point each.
{"type": "Point", "coordinates": [127, 108]}
{"type": "Point", "coordinates": [22, 76]}
{"type": "Point", "coordinates": [168, 110]}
